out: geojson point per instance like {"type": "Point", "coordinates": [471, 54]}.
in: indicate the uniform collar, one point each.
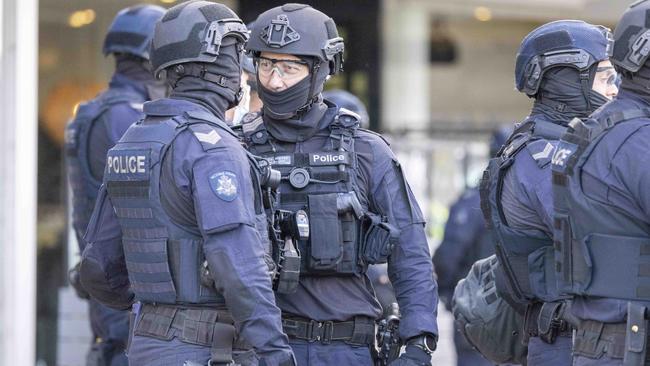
{"type": "Point", "coordinates": [119, 81]}
{"type": "Point", "coordinates": [171, 107]}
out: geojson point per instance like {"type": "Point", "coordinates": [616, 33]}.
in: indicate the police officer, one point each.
{"type": "Point", "coordinates": [563, 65]}
{"type": "Point", "coordinates": [96, 127]}
{"type": "Point", "coordinates": [465, 241]}
{"type": "Point", "coordinates": [603, 209]}
{"type": "Point", "coordinates": [348, 185]}
{"type": "Point", "coordinates": [179, 223]}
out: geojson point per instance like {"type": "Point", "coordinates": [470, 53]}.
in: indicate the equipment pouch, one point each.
{"type": "Point", "coordinates": [379, 239]}
{"type": "Point", "coordinates": [325, 249]}
{"type": "Point", "coordinates": [636, 335]}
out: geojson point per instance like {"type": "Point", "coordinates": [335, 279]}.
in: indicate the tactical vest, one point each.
{"type": "Point", "coordinates": [526, 256]}
{"type": "Point", "coordinates": [165, 261]}
{"type": "Point", "coordinates": [602, 251]}
{"type": "Point", "coordinates": [77, 134]}
{"type": "Point", "coordinates": [321, 182]}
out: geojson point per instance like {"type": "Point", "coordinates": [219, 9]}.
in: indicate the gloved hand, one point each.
{"type": "Point", "coordinates": [75, 282]}
{"type": "Point", "coordinates": [413, 356]}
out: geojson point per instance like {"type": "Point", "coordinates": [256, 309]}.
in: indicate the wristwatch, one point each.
{"type": "Point", "coordinates": [425, 342]}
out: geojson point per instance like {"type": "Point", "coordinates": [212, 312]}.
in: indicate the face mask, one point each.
{"type": "Point", "coordinates": [284, 104]}
{"type": "Point", "coordinates": [244, 105]}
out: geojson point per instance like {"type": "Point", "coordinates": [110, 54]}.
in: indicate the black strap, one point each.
{"type": "Point", "coordinates": [360, 331]}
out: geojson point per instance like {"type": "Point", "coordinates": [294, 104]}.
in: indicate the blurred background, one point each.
{"type": "Point", "coordinates": [435, 75]}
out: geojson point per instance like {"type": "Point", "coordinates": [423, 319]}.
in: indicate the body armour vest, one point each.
{"type": "Point", "coordinates": [77, 134]}
{"type": "Point", "coordinates": [165, 260]}
{"type": "Point", "coordinates": [526, 256]}
{"type": "Point", "coordinates": [602, 251]}
{"type": "Point", "coordinates": [343, 236]}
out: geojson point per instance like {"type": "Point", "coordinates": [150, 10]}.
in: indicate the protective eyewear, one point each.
{"type": "Point", "coordinates": [284, 68]}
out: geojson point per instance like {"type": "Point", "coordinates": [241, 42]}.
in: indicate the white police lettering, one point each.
{"type": "Point", "coordinates": [126, 164]}
{"type": "Point", "coordinates": [328, 158]}
{"type": "Point", "coordinates": [560, 156]}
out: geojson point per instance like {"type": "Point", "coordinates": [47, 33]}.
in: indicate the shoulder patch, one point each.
{"type": "Point", "coordinates": [562, 155]}
{"type": "Point", "coordinates": [251, 122]}
{"type": "Point", "coordinates": [206, 134]}
{"type": "Point", "coordinates": [224, 185]}
{"type": "Point", "coordinates": [541, 151]}
{"type": "Point", "coordinates": [211, 137]}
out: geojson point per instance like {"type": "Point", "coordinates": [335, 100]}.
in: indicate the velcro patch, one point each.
{"type": "Point", "coordinates": [127, 165]}
{"type": "Point", "coordinates": [329, 158]}
{"type": "Point", "coordinates": [285, 159]}
{"type": "Point", "coordinates": [224, 184]}
{"type": "Point", "coordinates": [562, 155]}
{"type": "Point", "coordinates": [211, 137]}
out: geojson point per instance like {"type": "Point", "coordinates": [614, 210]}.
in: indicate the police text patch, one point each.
{"type": "Point", "coordinates": [329, 158]}
{"type": "Point", "coordinates": [127, 165]}
{"type": "Point", "coordinates": [224, 185]}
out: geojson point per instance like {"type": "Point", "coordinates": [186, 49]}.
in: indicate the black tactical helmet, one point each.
{"type": "Point", "coordinates": [632, 37]}
{"type": "Point", "coordinates": [194, 31]}
{"type": "Point", "coordinates": [300, 30]}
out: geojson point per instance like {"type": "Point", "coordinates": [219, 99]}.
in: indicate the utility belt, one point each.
{"type": "Point", "coordinates": [627, 341]}
{"type": "Point", "coordinates": [204, 327]}
{"type": "Point", "coordinates": [544, 320]}
{"type": "Point", "coordinates": [359, 332]}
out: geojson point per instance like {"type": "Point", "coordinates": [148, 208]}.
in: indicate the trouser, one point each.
{"type": "Point", "coordinates": [169, 335]}
{"type": "Point", "coordinates": [466, 355]}
{"type": "Point", "coordinates": [110, 331]}
{"type": "Point", "coordinates": [541, 353]}
{"type": "Point", "coordinates": [335, 353]}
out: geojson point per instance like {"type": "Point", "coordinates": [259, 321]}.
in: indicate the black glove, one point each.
{"type": "Point", "coordinates": [75, 281]}
{"type": "Point", "coordinates": [413, 356]}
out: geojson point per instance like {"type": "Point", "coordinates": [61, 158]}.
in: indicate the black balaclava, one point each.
{"type": "Point", "coordinates": [208, 94]}
{"type": "Point", "coordinates": [138, 69]}
{"type": "Point", "coordinates": [294, 114]}
{"type": "Point", "coordinates": [637, 83]}
{"type": "Point", "coordinates": [561, 96]}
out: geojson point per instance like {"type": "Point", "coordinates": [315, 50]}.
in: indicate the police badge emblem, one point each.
{"type": "Point", "coordinates": [224, 185]}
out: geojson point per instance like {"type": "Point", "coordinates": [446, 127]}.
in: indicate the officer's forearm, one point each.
{"type": "Point", "coordinates": [411, 274]}
{"type": "Point", "coordinates": [241, 275]}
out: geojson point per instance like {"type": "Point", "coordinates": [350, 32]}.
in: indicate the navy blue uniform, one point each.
{"type": "Point", "coordinates": [526, 200]}
{"type": "Point", "coordinates": [178, 209]}
{"type": "Point", "coordinates": [95, 129]}
{"type": "Point", "coordinates": [466, 240]}
{"type": "Point", "coordinates": [381, 188]}
{"type": "Point", "coordinates": [614, 174]}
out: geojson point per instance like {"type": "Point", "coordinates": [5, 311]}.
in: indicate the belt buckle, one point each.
{"type": "Point", "coordinates": [314, 331]}
{"type": "Point", "coordinates": [328, 332]}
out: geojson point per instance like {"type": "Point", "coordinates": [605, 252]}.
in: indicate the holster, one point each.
{"type": "Point", "coordinates": [544, 320]}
